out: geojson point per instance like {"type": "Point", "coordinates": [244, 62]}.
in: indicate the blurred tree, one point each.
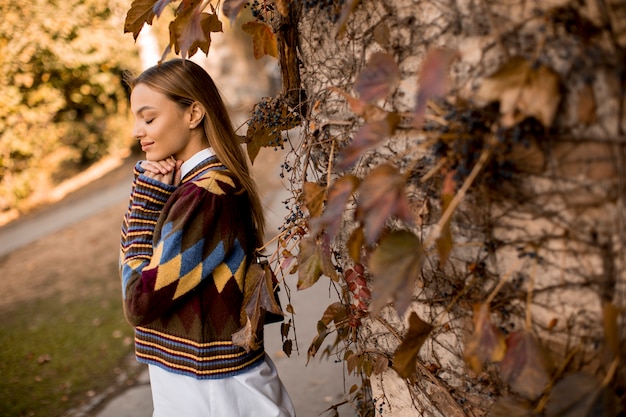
{"type": "Point", "coordinates": [63, 103]}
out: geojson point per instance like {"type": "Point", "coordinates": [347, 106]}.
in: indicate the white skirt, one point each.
{"type": "Point", "coordinates": [257, 393]}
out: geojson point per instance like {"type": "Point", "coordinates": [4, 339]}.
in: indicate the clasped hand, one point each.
{"type": "Point", "coordinates": [166, 171]}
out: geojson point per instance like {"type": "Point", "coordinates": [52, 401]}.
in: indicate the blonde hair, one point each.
{"type": "Point", "coordinates": [185, 82]}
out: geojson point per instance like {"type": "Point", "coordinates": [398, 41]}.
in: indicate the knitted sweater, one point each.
{"type": "Point", "coordinates": [184, 254]}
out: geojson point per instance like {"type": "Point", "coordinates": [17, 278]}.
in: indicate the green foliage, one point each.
{"type": "Point", "coordinates": [53, 354]}
{"type": "Point", "coordinates": [63, 105]}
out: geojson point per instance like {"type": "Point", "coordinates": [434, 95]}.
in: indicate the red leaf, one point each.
{"type": "Point", "coordinates": [314, 259]}
{"type": "Point", "coordinates": [486, 342]}
{"type": "Point", "coordinates": [396, 265]}
{"type": "Point", "coordinates": [381, 195]}
{"type": "Point", "coordinates": [405, 356]}
{"type": "Point", "coordinates": [525, 365]}
{"type": "Point", "coordinates": [140, 13]}
{"type": "Point", "coordinates": [368, 136]}
{"type": "Point", "coordinates": [378, 79]}
{"type": "Point", "coordinates": [263, 39]}
{"type": "Point", "coordinates": [338, 195]}
{"type": "Point", "coordinates": [433, 80]}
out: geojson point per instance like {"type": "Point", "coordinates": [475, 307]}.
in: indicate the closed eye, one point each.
{"type": "Point", "coordinates": [149, 121]}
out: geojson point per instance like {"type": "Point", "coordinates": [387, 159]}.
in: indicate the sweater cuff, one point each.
{"type": "Point", "coordinates": [153, 190]}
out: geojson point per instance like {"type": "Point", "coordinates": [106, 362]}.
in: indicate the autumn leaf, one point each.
{"type": "Point", "coordinates": [369, 112]}
{"type": "Point", "coordinates": [396, 266]}
{"type": "Point", "coordinates": [381, 196]}
{"type": "Point", "coordinates": [346, 11]}
{"type": "Point", "coordinates": [314, 195]}
{"type": "Point", "coordinates": [508, 407]}
{"type": "Point", "coordinates": [433, 81]}
{"type": "Point", "coordinates": [367, 137]}
{"type": "Point", "coordinates": [581, 395]}
{"type": "Point", "coordinates": [231, 9]}
{"type": "Point", "coordinates": [314, 259]}
{"type": "Point", "coordinates": [378, 79]}
{"type": "Point", "coordinates": [525, 365]}
{"type": "Point", "coordinates": [246, 338]}
{"type": "Point", "coordinates": [444, 242]}
{"type": "Point", "coordinates": [334, 313]}
{"type": "Point", "coordinates": [140, 13]}
{"type": "Point", "coordinates": [263, 39]}
{"type": "Point", "coordinates": [405, 356]}
{"type": "Point", "coordinates": [339, 194]}
{"type": "Point", "coordinates": [486, 343]}
{"type": "Point", "coordinates": [586, 105]}
{"type": "Point", "coordinates": [355, 244]}
{"type": "Point", "coordinates": [523, 90]}
{"type": "Point", "coordinates": [191, 30]}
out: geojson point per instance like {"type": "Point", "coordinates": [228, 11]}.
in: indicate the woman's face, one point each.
{"type": "Point", "coordinates": [161, 126]}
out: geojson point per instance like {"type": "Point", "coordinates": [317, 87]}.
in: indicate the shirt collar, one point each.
{"type": "Point", "coordinates": [192, 162]}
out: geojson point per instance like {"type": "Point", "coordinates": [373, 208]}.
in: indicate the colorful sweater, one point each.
{"type": "Point", "coordinates": [184, 254]}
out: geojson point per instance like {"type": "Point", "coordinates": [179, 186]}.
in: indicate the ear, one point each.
{"type": "Point", "coordinates": [196, 114]}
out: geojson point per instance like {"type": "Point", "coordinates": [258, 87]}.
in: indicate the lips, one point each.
{"type": "Point", "coordinates": [145, 145]}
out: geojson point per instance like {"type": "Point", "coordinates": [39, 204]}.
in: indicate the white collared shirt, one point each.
{"type": "Point", "coordinates": [192, 162]}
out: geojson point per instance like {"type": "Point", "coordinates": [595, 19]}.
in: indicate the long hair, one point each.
{"type": "Point", "coordinates": [185, 82]}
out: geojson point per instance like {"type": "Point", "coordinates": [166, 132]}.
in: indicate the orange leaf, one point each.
{"type": "Point", "coordinates": [486, 342]}
{"type": "Point", "coordinates": [396, 265]}
{"type": "Point", "coordinates": [263, 39]}
{"type": "Point", "coordinates": [340, 192]}
{"type": "Point", "coordinates": [381, 196]}
{"type": "Point", "coordinates": [405, 356]}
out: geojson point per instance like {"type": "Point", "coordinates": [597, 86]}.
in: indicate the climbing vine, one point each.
{"type": "Point", "coordinates": [458, 177]}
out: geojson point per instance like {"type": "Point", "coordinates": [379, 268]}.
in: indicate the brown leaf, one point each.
{"type": "Point", "coordinates": [378, 79]}
{"type": "Point", "coordinates": [525, 365]}
{"type": "Point", "coordinates": [314, 259]}
{"type": "Point", "coordinates": [246, 338]}
{"type": "Point", "coordinates": [263, 39]}
{"type": "Point", "coordinates": [405, 356]}
{"type": "Point", "coordinates": [369, 112]}
{"type": "Point", "coordinates": [322, 332]}
{"type": "Point", "coordinates": [140, 12]}
{"type": "Point", "coordinates": [611, 328]}
{"type": "Point", "coordinates": [486, 343]}
{"type": "Point", "coordinates": [288, 347]}
{"type": "Point", "coordinates": [355, 244]}
{"type": "Point", "coordinates": [191, 30]}
{"type": "Point", "coordinates": [581, 395]}
{"type": "Point", "coordinates": [381, 196]}
{"type": "Point", "coordinates": [523, 91]}
{"type": "Point", "coordinates": [367, 137]}
{"type": "Point", "coordinates": [283, 6]}
{"type": "Point", "coordinates": [346, 11]}
{"type": "Point", "coordinates": [314, 195]}
{"type": "Point", "coordinates": [381, 364]}
{"type": "Point", "coordinates": [586, 105]}
{"type": "Point", "coordinates": [396, 266]}
{"type": "Point", "coordinates": [444, 241]}
{"type": "Point", "coordinates": [338, 196]}
{"type": "Point", "coordinates": [433, 80]}
{"type": "Point", "coordinates": [509, 407]}
{"type": "Point", "coordinates": [382, 34]}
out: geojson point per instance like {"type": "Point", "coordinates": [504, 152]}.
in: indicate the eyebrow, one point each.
{"type": "Point", "coordinates": [144, 108]}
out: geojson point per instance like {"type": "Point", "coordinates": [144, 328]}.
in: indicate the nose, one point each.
{"type": "Point", "coordinates": [138, 131]}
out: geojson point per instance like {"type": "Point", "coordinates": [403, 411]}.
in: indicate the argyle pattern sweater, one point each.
{"type": "Point", "coordinates": [184, 254]}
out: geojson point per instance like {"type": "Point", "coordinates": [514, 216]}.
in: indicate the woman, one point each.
{"type": "Point", "coordinates": [188, 237]}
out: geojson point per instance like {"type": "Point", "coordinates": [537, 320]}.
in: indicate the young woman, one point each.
{"type": "Point", "coordinates": [188, 237]}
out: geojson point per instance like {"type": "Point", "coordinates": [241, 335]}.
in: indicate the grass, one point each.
{"type": "Point", "coordinates": [54, 355]}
